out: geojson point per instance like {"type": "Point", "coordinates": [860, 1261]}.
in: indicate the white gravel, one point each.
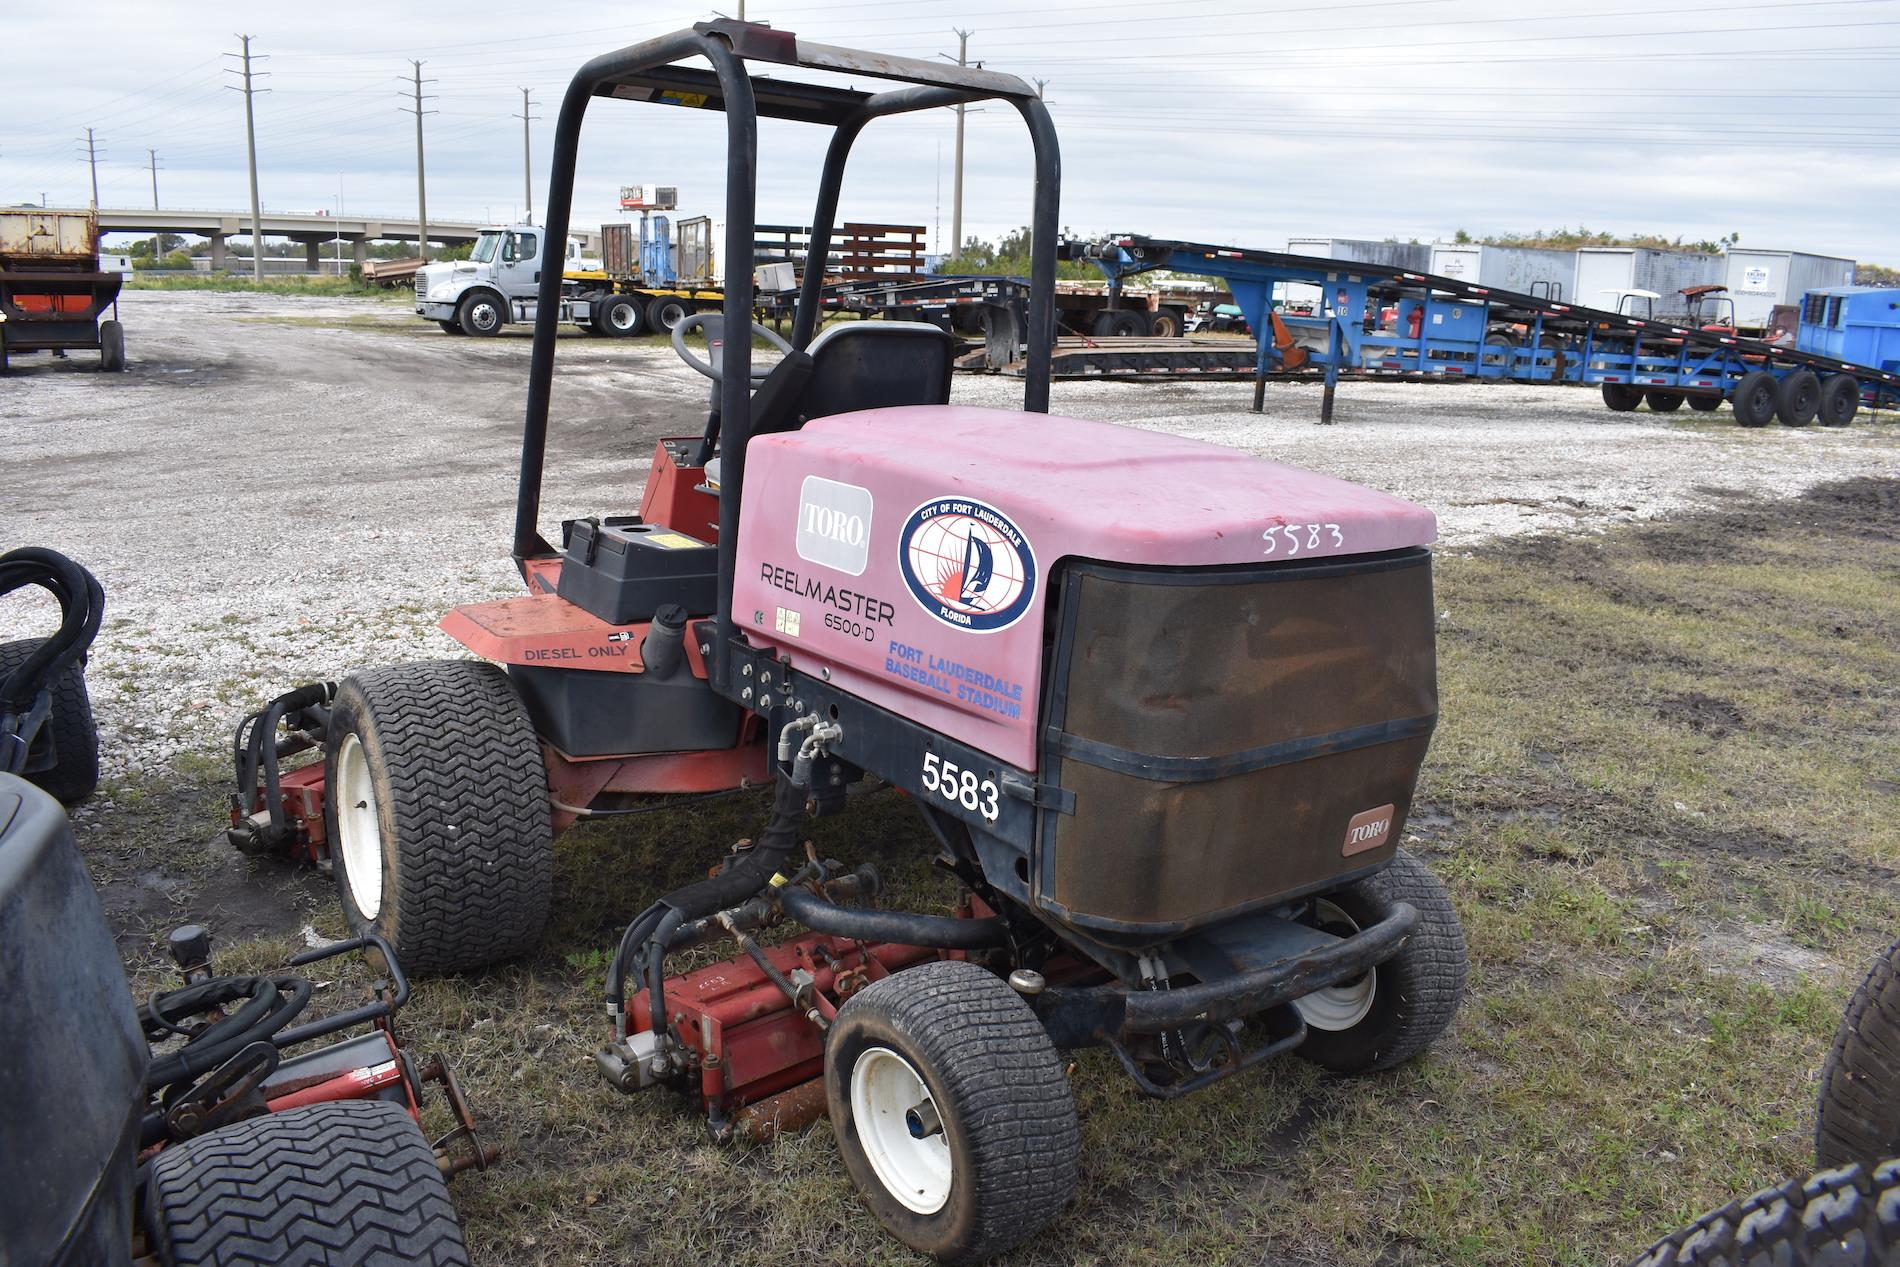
{"type": "Point", "coordinates": [281, 489]}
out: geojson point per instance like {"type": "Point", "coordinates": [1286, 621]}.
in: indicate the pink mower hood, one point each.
{"type": "Point", "coordinates": [910, 550]}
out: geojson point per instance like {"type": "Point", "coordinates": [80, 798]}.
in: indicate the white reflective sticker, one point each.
{"type": "Point", "coordinates": [834, 525]}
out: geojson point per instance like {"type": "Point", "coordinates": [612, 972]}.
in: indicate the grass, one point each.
{"type": "Point", "coordinates": [274, 284]}
{"type": "Point", "coordinates": [1662, 794]}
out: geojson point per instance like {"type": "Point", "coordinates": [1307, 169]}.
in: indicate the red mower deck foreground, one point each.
{"type": "Point", "coordinates": [1162, 707]}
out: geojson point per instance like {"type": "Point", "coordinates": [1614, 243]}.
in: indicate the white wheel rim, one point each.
{"type": "Point", "coordinates": [360, 828]}
{"type": "Point", "coordinates": [621, 316]}
{"type": "Point", "coordinates": [885, 1088]}
{"type": "Point", "coordinates": [1342, 1006]}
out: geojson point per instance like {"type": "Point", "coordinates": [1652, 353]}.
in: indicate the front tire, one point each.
{"type": "Point", "coordinates": [481, 314]}
{"type": "Point", "coordinates": [952, 1111]}
{"type": "Point", "coordinates": [351, 1183]}
{"type": "Point", "coordinates": [1661, 402]}
{"type": "Point", "coordinates": [1621, 397]}
{"type": "Point", "coordinates": [1397, 1010]}
{"type": "Point", "coordinates": [74, 774]}
{"type": "Point", "coordinates": [111, 347]}
{"type": "Point", "coordinates": [438, 814]}
{"type": "Point", "coordinates": [1859, 1116]}
{"type": "Point", "coordinates": [450, 327]}
{"type": "Point", "coordinates": [1836, 1218]}
{"type": "Point", "coordinates": [1754, 399]}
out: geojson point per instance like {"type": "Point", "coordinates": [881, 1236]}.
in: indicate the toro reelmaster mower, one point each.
{"type": "Point", "coordinates": [1161, 705]}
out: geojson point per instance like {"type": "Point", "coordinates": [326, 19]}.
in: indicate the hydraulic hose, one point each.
{"type": "Point", "coordinates": [23, 707]}
{"type": "Point", "coordinates": [947, 931]}
{"type": "Point", "coordinates": [270, 1003]}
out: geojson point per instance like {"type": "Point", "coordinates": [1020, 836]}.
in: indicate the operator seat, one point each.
{"type": "Point", "coordinates": [861, 365]}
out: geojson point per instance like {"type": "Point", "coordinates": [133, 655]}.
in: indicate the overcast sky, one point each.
{"type": "Point", "coordinates": [1215, 120]}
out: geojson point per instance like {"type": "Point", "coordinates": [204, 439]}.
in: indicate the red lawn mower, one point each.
{"type": "Point", "coordinates": [1161, 705]}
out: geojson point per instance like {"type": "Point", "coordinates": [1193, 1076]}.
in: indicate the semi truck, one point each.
{"type": "Point", "coordinates": [53, 288]}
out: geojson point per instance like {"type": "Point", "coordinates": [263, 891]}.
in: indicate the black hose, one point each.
{"type": "Point", "coordinates": [860, 924]}
{"type": "Point", "coordinates": [81, 607]}
{"type": "Point", "coordinates": [270, 1003]}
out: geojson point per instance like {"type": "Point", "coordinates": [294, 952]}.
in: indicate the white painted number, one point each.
{"type": "Point", "coordinates": [1293, 534]}
{"type": "Point", "coordinates": [961, 787]}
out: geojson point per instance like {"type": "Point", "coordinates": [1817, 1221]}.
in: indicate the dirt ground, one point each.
{"type": "Point", "coordinates": [1662, 791]}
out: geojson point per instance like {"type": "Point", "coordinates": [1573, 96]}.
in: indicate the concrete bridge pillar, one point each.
{"type": "Point", "coordinates": [217, 253]}
{"type": "Point", "coordinates": [359, 251]}
{"type": "Point", "coordinates": [312, 260]}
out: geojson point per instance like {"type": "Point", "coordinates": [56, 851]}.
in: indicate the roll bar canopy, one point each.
{"type": "Point", "coordinates": [649, 71]}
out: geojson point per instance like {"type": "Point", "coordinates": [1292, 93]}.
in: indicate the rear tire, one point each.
{"type": "Point", "coordinates": [1168, 323]}
{"type": "Point", "coordinates": [620, 317]}
{"type": "Point", "coordinates": [1705, 404]}
{"type": "Point", "coordinates": [482, 314]}
{"type": "Point", "coordinates": [1621, 397]}
{"type": "Point", "coordinates": [351, 1183]}
{"type": "Point", "coordinates": [74, 774]}
{"type": "Point", "coordinates": [111, 347]}
{"type": "Point", "coordinates": [1840, 400]}
{"type": "Point", "coordinates": [1661, 402]}
{"type": "Point", "coordinates": [1399, 1008]}
{"type": "Point", "coordinates": [666, 311]}
{"type": "Point", "coordinates": [1123, 323]}
{"type": "Point", "coordinates": [975, 1058]}
{"type": "Point", "coordinates": [435, 771]}
{"type": "Point", "coordinates": [1798, 398]}
{"type": "Point", "coordinates": [1754, 399]}
{"type": "Point", "coordinates": [1859, 1117]}
{"type": "Point", "coordinates": [1841, 1218]}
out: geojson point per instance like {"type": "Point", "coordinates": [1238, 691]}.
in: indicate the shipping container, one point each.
{"type": "Point", "coordinates": [1523, 270]}
{"type": "Point", "coordinates": [1758, 281]}
{"type": "Point", "coordinates": [29, 237]}
{"type": "Point", "coordinates": [1605, 271]}
{"type": "Point", "coordinates": [1416, 256]}
{"type": "Point", "coordinates": [1853, 323]}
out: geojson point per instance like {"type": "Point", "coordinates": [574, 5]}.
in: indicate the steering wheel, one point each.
{"type": "Point", "coordinates": [714, 323]}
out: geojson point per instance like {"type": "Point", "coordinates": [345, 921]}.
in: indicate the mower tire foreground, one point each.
{"type": "Point", "coordinates": [1162, 707]}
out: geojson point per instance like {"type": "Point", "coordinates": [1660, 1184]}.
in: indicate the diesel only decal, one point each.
{"type": "Point", "coordinates": [834, 525]}
{"type": "Point", "coordinates": [853, 612]}
{"type": "Point", "coordinates": [967, 564]}
{"type": "Point", "coordinates": [963, 682]}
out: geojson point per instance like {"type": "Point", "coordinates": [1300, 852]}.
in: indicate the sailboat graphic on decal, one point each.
{"type": "Point", "coordinates": [979, 565]}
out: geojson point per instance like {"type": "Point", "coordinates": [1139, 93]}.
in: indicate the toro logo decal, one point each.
{"type": "Point", "coordinates": [967, 564]}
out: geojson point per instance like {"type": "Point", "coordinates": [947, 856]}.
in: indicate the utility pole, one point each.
{"type": "Point", "coordinates": [154, 160]}
{"type": "Point", "coordinates": [527, 167]}
{"type": "Point", "coordinates": [422, 192]}
{"type": "Point", "coordinates": [250, 147]}
{"type": "Point", "coordinates": [956, 188]}
{"type": "Point", "coordinates": [92, 161]}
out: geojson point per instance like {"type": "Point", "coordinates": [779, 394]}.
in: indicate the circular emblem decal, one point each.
{"type": "Point", "coordinates": [967, 564]}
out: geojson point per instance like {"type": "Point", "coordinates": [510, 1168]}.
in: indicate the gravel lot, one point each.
{"type": "Point", "coordinates": [281, 489]}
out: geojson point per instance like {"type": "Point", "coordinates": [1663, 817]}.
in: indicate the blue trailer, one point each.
{"type": "Point", "coordinates": [1853, 323]}
{"type": "Point", "coordinates": [1379, 320]}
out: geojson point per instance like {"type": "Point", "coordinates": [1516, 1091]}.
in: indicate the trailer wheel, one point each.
{"type": "Point", "coordinates": [1168, 323]}
{"type": "Point", "coordinates": [349, 1183]}
{"type": "Point", "coordinates": [1798, 398]}
{"type": "Point", "coordinates": [1840, 400]}
{"type": "Point", "coordinates": [1860, 1084]}
{"type": "Point", "coordinates": [1398, 1009]}
{"type": "Point", "coordinates": [1704, 402]}
{"type": "Point", "coordinates": [1844, 1218]}
{"type": "Point", "coordinates": [1122, 323]}
{"type": "Point", "coordinates": [620, 316]}
{"type": "Point", "coordinates": [952, 1110]}
{"type": "Point", "coordinates": [1559, 349]}
{"type": "Point", "coordinates": [450, 327]}
{"type": "Point", "coordinates": [1661, 402]}
{"type": "Point", "coordinates": [438, 813]}
{"type": "Point", "coordinates": [111, 347]}
{"type": "Point", "coordinates": [1754, 399]}
{"type": "Point", "coordinates": [482, 313]}
{"type": "Point", "coordinates": [1621, 397]}
{"type": "Point", "coordinates": [666, 311]}
{"type": "Point", "coordinates": [1500, 349]}
{"type": "Point", "coordinates": [74, 736]}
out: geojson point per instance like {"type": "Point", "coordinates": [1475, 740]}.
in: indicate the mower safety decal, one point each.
{"type": "Point", "coordinates": [967, 564]}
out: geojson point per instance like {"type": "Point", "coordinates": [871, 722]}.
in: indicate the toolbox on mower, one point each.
{"type": "Point", "coordinates": [1162, 707]}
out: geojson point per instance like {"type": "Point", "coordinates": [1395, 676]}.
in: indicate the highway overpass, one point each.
{"type": "Point", "coordinates": [311, 230]}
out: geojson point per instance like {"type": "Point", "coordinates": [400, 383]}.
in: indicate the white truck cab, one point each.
{"type": "Point", "coordinates": [498, 283]}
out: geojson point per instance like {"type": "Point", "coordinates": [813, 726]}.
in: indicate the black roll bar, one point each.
{"type": "Point", "coordinates": [645, 71]}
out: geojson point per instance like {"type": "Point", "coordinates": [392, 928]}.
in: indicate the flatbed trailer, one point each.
{"type": "Point", "coordinates": [973, 303]}
{"type": "Point", "coordinates": [1381, 320]}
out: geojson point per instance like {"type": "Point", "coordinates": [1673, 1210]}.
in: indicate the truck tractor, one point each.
{"type": "Point", "coordinates": [1161, 706]}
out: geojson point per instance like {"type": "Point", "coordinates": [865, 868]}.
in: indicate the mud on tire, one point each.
{"type": "Point", "coordinates": [1840, 1218]}
{"type": "Point", "coordinates": [446, 782]}
{"type": "Point", "coordinates": [1011, 1141]}
{"type": "Point", "coordinates": [347, 1184]}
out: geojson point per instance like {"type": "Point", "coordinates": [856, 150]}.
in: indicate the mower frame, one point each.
{"type": "Point", "coordinates": [648, 71]}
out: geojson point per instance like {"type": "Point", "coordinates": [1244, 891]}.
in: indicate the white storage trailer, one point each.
{"type": "Point", "coordinates": [1759, 280]}
{"type": "Point", "coordinates": [1412, 255]}
{"type": "Point", "coordinates": [1524, 270]}
{"type": "Point", "coordinates": [1604, 272]}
